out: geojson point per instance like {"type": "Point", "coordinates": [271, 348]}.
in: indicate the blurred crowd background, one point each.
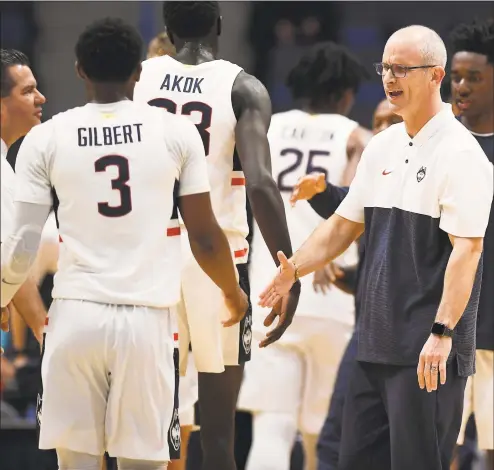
{"type": "Point", "coordinates": [266, 38]}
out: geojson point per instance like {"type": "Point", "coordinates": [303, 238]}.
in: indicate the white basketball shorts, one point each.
{"type": "Point", "coordinates": [110, 381]}
{"type": "Point", "coordinates": [296, 374]}
{"type": "Point", "coordinates": [200, 314]}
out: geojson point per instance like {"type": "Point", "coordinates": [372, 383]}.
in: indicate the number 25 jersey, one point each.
{"type": "Point", "coordinates": [113, 168]}
{"type": "Point", "coordinates": [202, 93]}
{"type": "Point", "coordinates": [302, 143]}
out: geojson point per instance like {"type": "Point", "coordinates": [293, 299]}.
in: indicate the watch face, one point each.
{"type": "Point", "coordinates": [438, 329]}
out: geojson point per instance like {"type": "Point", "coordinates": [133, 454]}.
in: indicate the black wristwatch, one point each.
{"type": "Point", "coordinates": [440, 329]}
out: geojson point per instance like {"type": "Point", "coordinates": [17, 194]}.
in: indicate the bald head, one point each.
{"type": "Point", "coordinates": [426, 40]}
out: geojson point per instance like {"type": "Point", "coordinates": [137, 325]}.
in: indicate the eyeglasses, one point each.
{"type": "Point", "coordinates": [398, 71]}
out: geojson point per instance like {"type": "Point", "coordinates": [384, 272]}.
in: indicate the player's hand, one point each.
{"type": "Point", "coordinates": [280, 285]}
{"type": "Point", "coordinates": [307, 187]}
{"type": "Point", "coordinates": [432, 362]}
{"type": "Point", "coordinates": [237, 304]}
{"type": "Point", "coordinates": [323, 278]}
{"type": "Point", "coordinates": [284, 310]}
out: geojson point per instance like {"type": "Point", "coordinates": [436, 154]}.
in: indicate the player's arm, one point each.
{"type": "Point", "coordinates": [208, 242]}
{"type": "Point", "coordinates": [209, 245]}
{"type": "Point", "coordinates": [18, 255]}
{"type": "Point", "coordinates": [252, 107]}
{"type": "Point", "coordinates": [32, 206]}
{"type": "Point", "coordinates": [356, 144]}
{"type": "Point", "coordinates": [323, 197]}
{"type": "Point", "coordinates": [326, 203]}
{"type": "Point", "coordinates": [47, 260]}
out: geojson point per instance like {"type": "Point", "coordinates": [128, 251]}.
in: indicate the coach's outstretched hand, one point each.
{"type": "Point", "coordinates": [307, 187]}
{"type": "Point", "coordinates": [237, 304]}
{"type": "Point", "coordinates": [281, 284]}
{"type": "Point", "coordinates": [282, 295]}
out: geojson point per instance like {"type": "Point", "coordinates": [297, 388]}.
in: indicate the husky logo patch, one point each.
{"type": "Point", "coordinates": [421, 174]}
{"type": "Point", "coordinates": [247, 334]}
{"type": "Point", "coordinates": [175, 431]}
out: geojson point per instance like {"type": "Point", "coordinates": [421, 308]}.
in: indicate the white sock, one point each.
{"type": "Point", "coordinates": [273, 435]}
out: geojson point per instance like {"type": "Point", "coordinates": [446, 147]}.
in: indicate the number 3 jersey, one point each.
{"type": "Point", "coordinates": [300, 144]}
{"type": "Point", "coordinates": [202, 93]}
{"type": "Point", "coordinates": [113, 168]}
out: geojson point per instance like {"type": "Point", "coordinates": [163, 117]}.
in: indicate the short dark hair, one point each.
{"type": "Point", "coordinates": [477, 37]}
{"type": "Point", "coordinates": [109, 50]}
{"type": "Point", "coordinates": [190, 20]}
{"type": "Point", "coordinates": [327, 69]}
{"type": "Point", "coordinates": [10, 57]}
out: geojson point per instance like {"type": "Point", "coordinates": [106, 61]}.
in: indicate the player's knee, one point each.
{"type": "Point", "coordinates": [70, 460]}
{"type": "Point", "coordinates": [130, 464]}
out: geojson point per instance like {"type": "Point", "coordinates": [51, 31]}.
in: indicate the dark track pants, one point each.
{"type": "Point", "coordinates": [328, 446]}
{"type": "Point", "coordinates": [389, 423]}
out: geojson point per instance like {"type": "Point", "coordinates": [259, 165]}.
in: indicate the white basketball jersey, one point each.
{"type": "Point", "coordinates": [7, 195]}
{"type": "Point", "coordinates": [303, 143]}
{"type": "Point", "coordinates": [113, 169]}
{"type": "Point", "coordinates": [203, 94]}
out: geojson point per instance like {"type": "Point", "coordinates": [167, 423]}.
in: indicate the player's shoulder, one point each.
{"type": "Point", "coordinates": [287, 118]}
{"type": "Point", "coordinates": [248, 92]}
{"type": "Point", "coordinates": [226, 64]}
{"type": "Point", "coordinates": [155, 63]}
{"type": "Point", "coordinates": [42, 135]}
{"type": "Point", "coordinates": [248, 85]}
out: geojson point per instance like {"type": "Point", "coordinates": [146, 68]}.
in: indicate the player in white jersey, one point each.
{"type": "Point", "coordinates": [20, 110]}
{"type": "Point", "coordinates": [232, 111]}
{"type": "Point", "coordinates": [116, 171]}
{"type": "Point", "coordinates": [297, 374]}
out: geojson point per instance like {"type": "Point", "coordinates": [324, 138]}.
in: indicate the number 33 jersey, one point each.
{"type": "Point", "coordinates": [300, 144]}
{"type": "Point", "coordinates": [202, 93]}
{"type": "Point", "coordinates": [112, 170]}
